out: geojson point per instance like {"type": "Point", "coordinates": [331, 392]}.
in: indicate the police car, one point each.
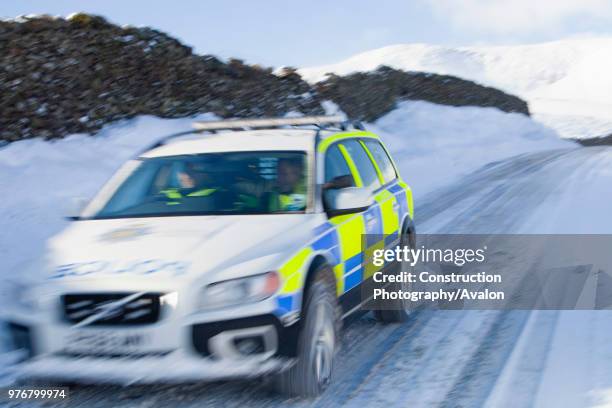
{"type": "Point", "coordinates": [232, 250]}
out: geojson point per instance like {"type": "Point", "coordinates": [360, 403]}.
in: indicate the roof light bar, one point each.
{"type": "Point", "coordinates": [267, 122]}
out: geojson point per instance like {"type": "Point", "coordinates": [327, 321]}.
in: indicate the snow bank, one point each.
{"type": "Point", "coordinates": [434, 145]}
{"type": "Point", "coordinates": [565, 82]}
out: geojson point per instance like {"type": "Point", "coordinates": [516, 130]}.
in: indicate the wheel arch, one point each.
{"type": "Point", "coordinates": [310, 268]}
{"type": "Point", "coordinates": [317, 260]}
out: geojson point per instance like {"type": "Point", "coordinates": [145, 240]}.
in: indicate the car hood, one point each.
{"type": "Point", "coordinates": [173, 249]}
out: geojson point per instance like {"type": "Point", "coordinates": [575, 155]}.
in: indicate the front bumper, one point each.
{"type": "Point", "coordinates": [174, 349]}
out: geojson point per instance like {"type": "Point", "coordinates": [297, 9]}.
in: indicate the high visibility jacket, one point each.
{"type": "Point", "coordinates": [294, 201]}
{"type": "Point", "coordinates": [175, 195]}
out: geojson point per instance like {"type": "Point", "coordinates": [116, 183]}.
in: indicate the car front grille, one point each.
{"type": "Point", "coordinates": [144, 309]}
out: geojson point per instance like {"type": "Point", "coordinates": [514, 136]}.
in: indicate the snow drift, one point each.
{"type": "Point", "coordinates": [565, 82]}
{"type": "Point", "coordinates": [435, 145]}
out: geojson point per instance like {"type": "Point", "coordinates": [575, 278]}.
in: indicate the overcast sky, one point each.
{"type": "Point", "coordinates": [313, 32]}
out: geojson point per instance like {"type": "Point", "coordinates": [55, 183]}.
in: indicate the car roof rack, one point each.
{"type": "Point", "coordinates": [322, 122]}
{"type": "Point", "coordinates": [269, 123]}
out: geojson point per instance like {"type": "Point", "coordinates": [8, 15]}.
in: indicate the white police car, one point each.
{"type": "Point", "coordinates": [217, 255]}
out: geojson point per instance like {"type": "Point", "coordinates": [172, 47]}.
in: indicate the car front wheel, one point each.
{"type": "Point", "coordinates": [318, 339]}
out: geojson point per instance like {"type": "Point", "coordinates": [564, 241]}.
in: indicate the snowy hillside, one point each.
{"type": "Point", "coordinates": [567, 83]}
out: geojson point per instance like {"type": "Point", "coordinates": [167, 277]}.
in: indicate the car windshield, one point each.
{"type": "Point", "coordinates": [212, 183]}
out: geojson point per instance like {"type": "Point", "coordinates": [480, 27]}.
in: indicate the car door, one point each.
{"type": "Point", "coordinates": [362, 233]}
{"type": "Point", "coordinates": [374, 217]}
{"type": "Point", "coordinates": [349, 227]}
{"type": "Point", "coordinates": [391, 196]}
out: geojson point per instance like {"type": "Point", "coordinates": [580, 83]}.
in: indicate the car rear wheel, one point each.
{"type": "Point", "coordinates": [318, 339]}
{"type": "Point", "coordinates": [398, 310]}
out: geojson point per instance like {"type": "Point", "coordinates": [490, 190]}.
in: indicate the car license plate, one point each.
{"type": "Point", "coordinates": [94, 341]}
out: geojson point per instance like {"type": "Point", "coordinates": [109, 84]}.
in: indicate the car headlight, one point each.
{"type": "Point", "coordinates": [242, 290]}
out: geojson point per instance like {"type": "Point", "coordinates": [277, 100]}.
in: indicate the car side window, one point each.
{"type": "Point", "coordinates": [382, 159]}
{"type": "Point", "coordinates": [336, 166]}
{"type": "Point", "coordinates": [364, 164]}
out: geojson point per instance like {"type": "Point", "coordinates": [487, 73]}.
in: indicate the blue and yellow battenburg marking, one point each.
{"type": "Point", "coordinates": [341, 237]}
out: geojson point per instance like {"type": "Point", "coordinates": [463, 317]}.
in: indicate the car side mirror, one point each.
{"type": "Point", "coordinates": [347, 200]}
{"type": "Point", "coordinates": [339, 182]}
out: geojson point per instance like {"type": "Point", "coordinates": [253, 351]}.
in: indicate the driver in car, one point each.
{"type": "Point", "coordinates": [290, 190]}
{"type": "Point", "coordinates": [193, 181]}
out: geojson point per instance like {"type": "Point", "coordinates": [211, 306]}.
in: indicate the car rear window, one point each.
{"type": "Point", "coordinates": [382, 159]}
{"type": "Point", "coordinates": [364, 164]}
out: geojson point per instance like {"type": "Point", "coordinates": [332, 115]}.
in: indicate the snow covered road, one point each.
{"type": "Point", "coordinates": [461, 358]}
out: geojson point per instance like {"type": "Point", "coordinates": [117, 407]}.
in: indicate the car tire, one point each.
{"type": "Point", "coordinates": [317, 342]}
{"type": "Point", "coordinates": [398, 309]}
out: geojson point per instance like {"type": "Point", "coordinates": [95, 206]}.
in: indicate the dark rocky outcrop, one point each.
{"type": "Point", "coordinates": [61, 76]}
{"type": "Point", "coordinates": [596, 141]}
{"type": "Point", "coordinates": [369, 95]}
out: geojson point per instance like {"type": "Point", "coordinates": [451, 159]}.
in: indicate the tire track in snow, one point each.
{"type": "Point", "coordinates": [502, 188]}
{"type": "Point", "coordinates": [481, 374]}
{"type": "Point", "coordinates": [499, 197]}
{"type": "Point", "coordinates": [522, 374]}
{"type": "Point", "coordinates": [418, 368]}
{"type": "Point", "coordinates": [368, 357]}
{"type": "Point", "coordinates": [437, 202]}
